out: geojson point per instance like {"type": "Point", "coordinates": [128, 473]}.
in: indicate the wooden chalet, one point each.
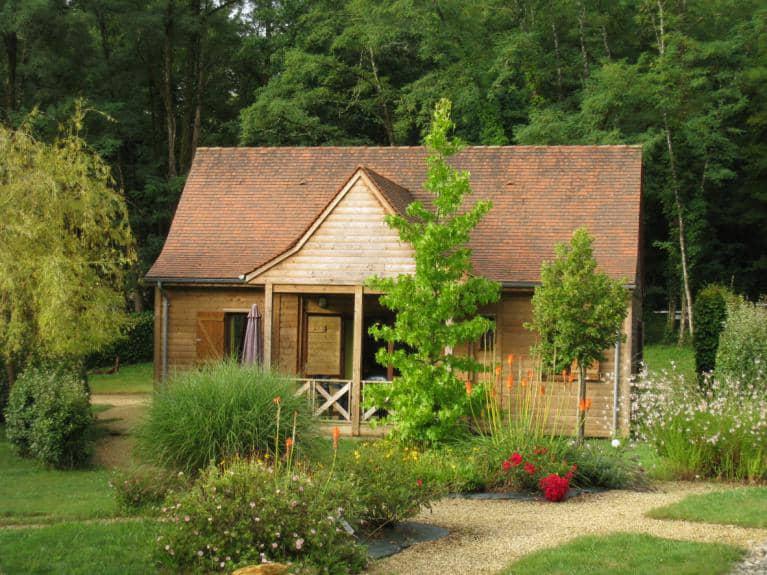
{"type": "Point", "coordinates": [299, 230]}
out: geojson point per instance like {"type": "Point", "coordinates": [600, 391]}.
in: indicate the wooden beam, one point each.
{"type": "Point", "coordinates": [268, 322]}
{"type": "Point", "coordinates": [318, 289]}
{"type": "Point", "coordinates": [356, 403]}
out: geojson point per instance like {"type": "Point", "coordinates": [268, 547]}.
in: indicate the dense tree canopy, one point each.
{"type": "Point", "coordinates": [684, 78]}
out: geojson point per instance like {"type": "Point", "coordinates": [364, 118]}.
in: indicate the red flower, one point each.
{"type": "Point", "coordinates": [515, 459]}
{"type": "Point", "coordinates": [541, 451]}
{"type": "Point", "coordinates": [419, 482]}
{"type": "Point", "coordinates": [554, 487]}
{"type": "Point", "coordinates": [529, 468]}
{"type": "Point", "coordinates": [506, 465]}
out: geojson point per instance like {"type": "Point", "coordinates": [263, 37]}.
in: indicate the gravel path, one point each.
{"type": "Point", "coordinates": [485, 536]}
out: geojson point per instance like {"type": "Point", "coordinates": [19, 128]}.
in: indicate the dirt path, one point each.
{"type": "Point", "coordinates": [115, 448]}
{"type": "Point", "coordinates": [485, 536]}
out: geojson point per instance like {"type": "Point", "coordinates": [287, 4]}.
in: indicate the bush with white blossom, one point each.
{"type": "Point", "coordinates": [717, 430]}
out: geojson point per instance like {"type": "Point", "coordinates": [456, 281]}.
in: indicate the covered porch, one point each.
{"type": "Point", "coordinates": [319, 334]}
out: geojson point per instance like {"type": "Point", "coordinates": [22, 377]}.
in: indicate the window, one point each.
{"type": "Point", "coordinates": [234, 334]}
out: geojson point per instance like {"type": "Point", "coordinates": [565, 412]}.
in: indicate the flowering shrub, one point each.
{"type": "Point", "coordinates": [387, 482]}
{"type": "Point", "coordinates": [541, 469]}
{"type": "Point", "coordinates": [715, 430]}
{"type": "Point", "coordinates": [248, 512]}
{"type": "Point", "coordinates": [555, 487]}
{"type": "Point", "coordinates": [146, 488]}
{"type": "Point", "coordinates": [742, 351]}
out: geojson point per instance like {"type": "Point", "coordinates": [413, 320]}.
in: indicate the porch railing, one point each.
{"type": "Point", "coordinates": [332, 398]}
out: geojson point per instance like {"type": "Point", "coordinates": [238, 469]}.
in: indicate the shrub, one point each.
{"type": "Point", "coordinates": [742, 353]}
{"type": "Point", "coordinates": [538, 469]}
{"type": "Point", "coordinates": [718, 431]}
{"type": "Point", "coordinates": [4, 391]}
{"type": "Point", "coordinates": [710, 314]}
{"type": "Point", "coordinates": [48, 417]}
{"type": "Point", "coordinates": [387, 482]}
{"type": "Point", "coordinates": [136, 345]}
{"type": "Point", "coordinates": [145, 488]}
{"type": "Point", "coordinates": [248, 512]}
{"type": "Point", "coordinates": [222, 411]}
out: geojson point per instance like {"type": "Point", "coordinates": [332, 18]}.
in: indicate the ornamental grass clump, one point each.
{"type": "Point", "coordinates": [718, 430]}
{"type": "Point", "coordinates": [222, 411]}
{"type": "Point", "coordinates": [250, 512]}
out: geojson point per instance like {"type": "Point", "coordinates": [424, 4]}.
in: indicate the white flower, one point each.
{"type": "Point", "coordinates": [299, 544]}
{"type": "Point", "coordinates": [616, 443]}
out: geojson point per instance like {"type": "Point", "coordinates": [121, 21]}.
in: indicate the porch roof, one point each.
{"type": "Point", "coordinates": [242, 207]}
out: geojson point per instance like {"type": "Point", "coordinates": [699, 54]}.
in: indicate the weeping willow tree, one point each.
{"type": "Point", "coordinates": [65, 244]}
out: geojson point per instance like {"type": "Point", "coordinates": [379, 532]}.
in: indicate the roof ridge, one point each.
{"type": "Point", "coordinates": [421, 147]}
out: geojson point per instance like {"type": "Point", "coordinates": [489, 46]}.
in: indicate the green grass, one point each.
{"type": "Point", "coordinates": [746, 506]}
{"type": "Point", "coordinates": [30, 493]}
{"type": "Point", "coordinates": [136, 378]}
{"type": "Point", "coordinates": [80, 548]}
{"type": "Point", "coordinates": [662, 356]}
{"type": "Point", "coordinates": [628, 554]}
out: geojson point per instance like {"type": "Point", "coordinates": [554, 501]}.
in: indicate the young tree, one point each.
{"type": "Point", "coordinates": [437, 307]}
{"type": "Point", "coordinates": [65, 244]}
{"type": "Point", "coordinates": [577, 312]}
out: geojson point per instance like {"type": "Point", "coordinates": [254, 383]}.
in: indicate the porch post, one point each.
{"type": "Point", "coordinates": [268, 298]}
{"type": "Point", "coordinates": [356, 399]}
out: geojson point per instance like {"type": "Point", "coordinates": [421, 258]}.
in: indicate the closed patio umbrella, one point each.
{"type": "Point", "coordinates": [252, 350]}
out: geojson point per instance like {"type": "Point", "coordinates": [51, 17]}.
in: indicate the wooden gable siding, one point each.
{"type": "Point", "coordinates": [188, 306]}
{"type": "Point", "coordinates": [352, 244]}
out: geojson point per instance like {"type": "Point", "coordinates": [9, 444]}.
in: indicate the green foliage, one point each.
{"type": "Point", "coordinates": [397, 492]}
{"type": "Point", "coordinates": [742, 353]}
{"type": "Point", "coordinates": [221, 411]}
{"type": "Point", "coordinates": [629, 553]}
{"type": "Point", "coordinates": [436, 308]}
{"type": "Point", "coordinates": [715, 430]}
{"type": "Point", "coordinates": [65, 243]}
{"type": "Point", "coordinates": [247, 511]}
{"type": "Point", "coordinates": [144, 489]}
{"type": "Point", "coordinates": [710, 314]}
{"type": "Point", "coordinates": [48, 417]}
{"type": "Point", "coordinates": [577, 310]}
{"type": "Point", "coordinates": [137, 378]}
{"type": "Point", "coordinates": [135, 345]}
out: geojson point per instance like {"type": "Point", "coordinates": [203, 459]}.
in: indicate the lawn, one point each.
{"type": "Point", "coordinates": [30, 493]}
{"type": "Point", "coordinates": [661, 356]}
{"type": "Point", "coordinates": [136, 378]}
{"type": "Point", "coordinates": [80, 548]}
{"type": "Point", "coordinates": [746, 507]}
{"type": "Point", "coordinates": [628, 554]}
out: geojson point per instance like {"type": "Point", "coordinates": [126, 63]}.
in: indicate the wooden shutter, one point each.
{"type": "Point", "coordinates": [210, 336]}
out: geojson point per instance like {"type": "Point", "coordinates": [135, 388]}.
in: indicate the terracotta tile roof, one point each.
{"type": "Point", "coordinates": [242, 207]}
{"type": "Point", "coordinates": [399, 197]}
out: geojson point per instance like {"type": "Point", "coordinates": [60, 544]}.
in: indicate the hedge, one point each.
{"type": "Point", "coordinates": [710, 315]}
{"type": "Point", "coordinates": [135, 346]}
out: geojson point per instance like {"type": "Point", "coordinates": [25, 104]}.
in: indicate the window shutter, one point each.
{"type": "Point", "coordinates": [210, 336]}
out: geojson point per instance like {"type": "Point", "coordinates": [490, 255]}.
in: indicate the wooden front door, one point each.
{"type": "Point", "coordinates": [323, 345]}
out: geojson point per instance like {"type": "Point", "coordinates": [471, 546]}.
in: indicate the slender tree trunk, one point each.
{"type": "Point", "coordinates": [558, 56]}
{"type": "Point", "coordinates": [10, 372]}
{"type": "Point", "coordinates": [581, 403]}
{"type": "Point", "coordinates": [584, 53]}
{"type": "Point", "coordinates": [11, 41]}
{"type": "Point", "coordinates": [387, 120]}
{"type": "Point", "coordinates": [671, 319]}
{"type": "Point", "coordinates": [682, 320]}
{"type": "Point", "coordinates": [680, 226]}
{"type": "Point", "coordinates": [167, 89]}
{"type": "Point", "coordinates": [606, 45]}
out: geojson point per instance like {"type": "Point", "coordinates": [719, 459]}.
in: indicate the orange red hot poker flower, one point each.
{"type": "Point", "coordinates": [584, 404]}
{"type": "Point", "coordinates": [468, 387]}
{"type": "Point", "coordinates": [336, 436]}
